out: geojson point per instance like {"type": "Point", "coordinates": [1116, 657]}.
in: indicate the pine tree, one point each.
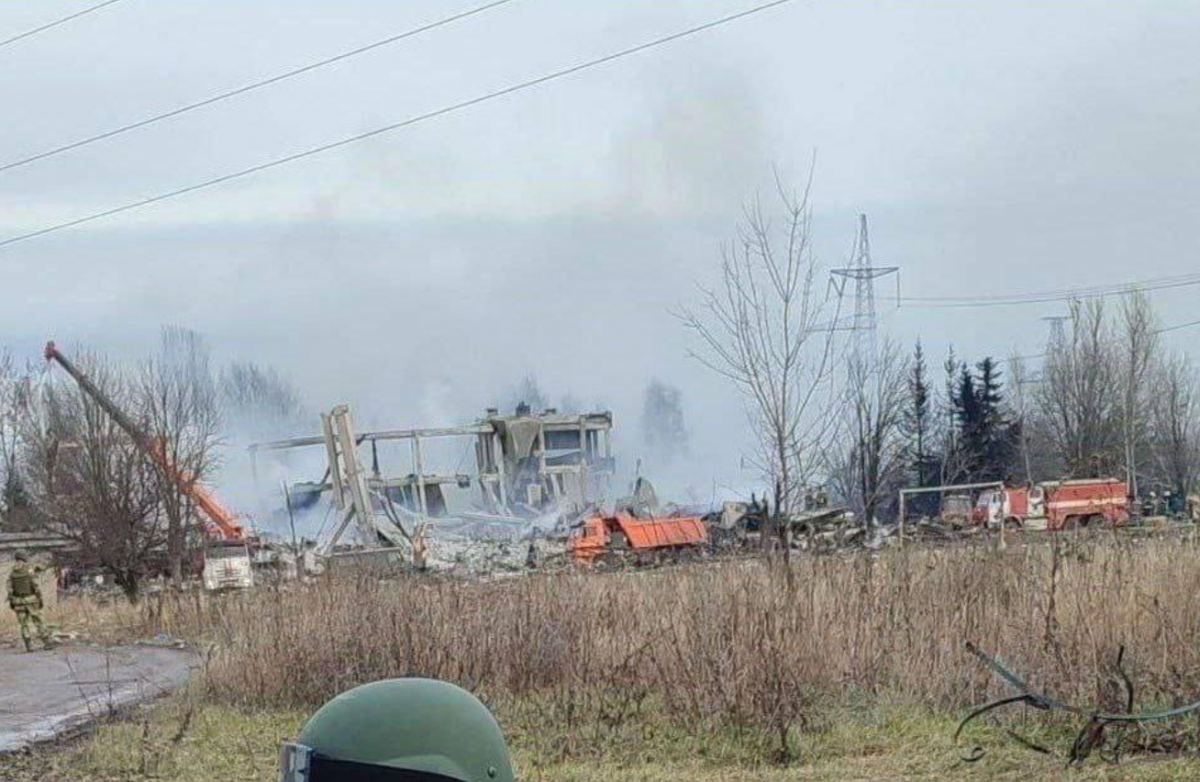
{"type": "Point", "coordinates": [998, 435]}
{"type": "Point", "coordinates": [951, 470]}
{"type": "Point", "coordinates": [969, 415]}
{"type": "Point", "coordinates": [918, 419]}
{"type": "Point", "coordinates": [986, 436]}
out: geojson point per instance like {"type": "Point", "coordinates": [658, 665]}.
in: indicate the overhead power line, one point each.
{"type": "Point", "coordinates": [1071, 291]}
{"type": "Point", "coordinates": [184, 109]}
{"type": "Point", "coordinates": [56, 23]}
{"type": "Point", "coordinates": [1163, 330]}
{"type": "Point", "coordinates": [1178, 326]}
{"type": "Point", "coordinates": [1044, 297]}
{"type": "Point", "coordinates": [454, 107]}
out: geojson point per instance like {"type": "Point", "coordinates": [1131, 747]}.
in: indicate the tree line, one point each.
{"type": "Point", "coordinates": [830, 408]}
{"type": "Point", "coordinates": [68, 467]}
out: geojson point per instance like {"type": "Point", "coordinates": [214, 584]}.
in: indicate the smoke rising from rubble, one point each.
{"type": "Point", "coordinates": [420, 278]}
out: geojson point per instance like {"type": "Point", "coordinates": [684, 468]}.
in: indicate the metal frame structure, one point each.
{"type": "Point", "coordinates": [904, 494]}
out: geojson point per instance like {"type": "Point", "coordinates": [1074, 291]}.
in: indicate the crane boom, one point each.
{"type": "Point", "coordinates": [221, 517]}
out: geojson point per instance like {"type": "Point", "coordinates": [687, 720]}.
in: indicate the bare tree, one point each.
{"type": "Point", "coordinates": [1077, 402]}
{"type": "Point", "coordinates": [1019, 379]}
{"type": "Point", "coordinates": [260, 402]}
{"type": "Point", "coordinates": [870, 458]}
{"type": "Point", "coordinates": [181, 415]}
{"type": "Point", "coordinates": [529, 393]}
{"type": "Point", "coordinates": [1038, 454]}
{"type": "Point", "coordinates": [1175, 417]}
{"type": "Point", "coordinates": [90, 481]}
{"type": "Point", "coordinates": [9, 479]}
{"type": "Point", "coordinates": [765, 329]}
{"type": "Point", "coordinates": [1137, 351]}
{"type": "Point", "coordinates": [16, 387]}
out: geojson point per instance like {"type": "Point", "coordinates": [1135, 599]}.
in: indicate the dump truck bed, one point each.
{"type": "Point", "coordinates": [595, 537]}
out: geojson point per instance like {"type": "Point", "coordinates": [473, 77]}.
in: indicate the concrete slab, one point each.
{"type": "Point", "coordinates": [46, 694]}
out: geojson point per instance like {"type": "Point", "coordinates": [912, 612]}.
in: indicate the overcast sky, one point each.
{"type": "Point", "coordinates": [997, 147]}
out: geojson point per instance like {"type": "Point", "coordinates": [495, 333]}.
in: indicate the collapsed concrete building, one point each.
{"type": "Point", "coordinates": [526, 464]}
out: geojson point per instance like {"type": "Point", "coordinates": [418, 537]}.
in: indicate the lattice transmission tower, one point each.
{"type": "Point", "coordinates": [1058, 331]}
{"type": "Point", "coordinates": [863, 272]}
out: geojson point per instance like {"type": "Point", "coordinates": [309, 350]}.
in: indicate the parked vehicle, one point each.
{"type": "Point", "coordinates": [600, 536]}
{"type": "Point", "coordinates": [227, 565]}
{"type": "Point", "coordinates": [1055, 505]}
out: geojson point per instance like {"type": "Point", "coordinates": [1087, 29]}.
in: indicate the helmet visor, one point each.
{"type": "Point", "coordinates": [298, 763]}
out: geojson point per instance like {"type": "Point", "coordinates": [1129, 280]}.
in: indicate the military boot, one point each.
{"type": "Point", "coordinates": [28, 644]}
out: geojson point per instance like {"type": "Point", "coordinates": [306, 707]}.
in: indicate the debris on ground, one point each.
{"type": "Point", "coordinates": [164, 641]}
{"type": "Point", "coordinates": [479, 544]}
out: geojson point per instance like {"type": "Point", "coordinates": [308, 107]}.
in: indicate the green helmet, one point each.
{"type": "Point", "coordinates": [21, 555]}
{"type": "Point", "coordinates": [399, 730]}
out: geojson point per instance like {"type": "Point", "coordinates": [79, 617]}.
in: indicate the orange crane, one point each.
{"type": "Point", "coordinates": [222, 522]}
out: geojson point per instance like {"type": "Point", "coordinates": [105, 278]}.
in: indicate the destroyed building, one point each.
{"type": "Point", "coordinates": [526, 464]}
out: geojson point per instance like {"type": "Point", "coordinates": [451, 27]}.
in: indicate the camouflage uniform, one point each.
{"type": "Point", "coordinates": [25, 598]}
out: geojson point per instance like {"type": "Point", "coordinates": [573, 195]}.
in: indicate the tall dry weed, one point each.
{"type": "Point", "coordinates": [728, 644]}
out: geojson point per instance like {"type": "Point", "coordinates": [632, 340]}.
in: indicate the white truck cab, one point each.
{"type": "Point", "coordinates": [227, 566]}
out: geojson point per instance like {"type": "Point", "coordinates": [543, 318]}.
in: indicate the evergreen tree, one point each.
{"type": "Point", "coordinates": [968, 414]}
{"type": "Point", "coordinates": [994, 440]}
{"type": "Point", "coordinates": [986, 436]}
{"type": "Point", "coordinates": [951, 456]}
{"type": "Point", "coordinates": [919, 420]}
{"type": "Point", "coordinates": [920, 427]}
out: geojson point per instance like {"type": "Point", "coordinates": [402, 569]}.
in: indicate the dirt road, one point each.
{"type": "Point", "coordinates": [44, 694]}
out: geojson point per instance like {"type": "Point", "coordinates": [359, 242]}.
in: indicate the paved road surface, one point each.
{"type": "Point", "coordinates": [45, 694]}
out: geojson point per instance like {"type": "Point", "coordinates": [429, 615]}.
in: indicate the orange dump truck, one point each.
{"type": "Point", "coordinates": [601, 535]}
{"type": "Point", "coordinates": [1055, 505]}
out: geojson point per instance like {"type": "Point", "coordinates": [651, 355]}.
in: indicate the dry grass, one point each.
{"type": "Point", "coordinates": [854, 666]}
{"type": "Point", "coordinates": [727, 646]}
{"type": "Point", "coordinates": [107, 619]}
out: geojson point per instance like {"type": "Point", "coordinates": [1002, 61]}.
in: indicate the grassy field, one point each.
{"type": "Point", "coordinates": [835, 667]}
{"type": "Point", "coordinates": [184, 741]}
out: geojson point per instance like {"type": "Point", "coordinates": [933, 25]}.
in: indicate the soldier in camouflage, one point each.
{"type": "Point", "coordinates": [25, 598]}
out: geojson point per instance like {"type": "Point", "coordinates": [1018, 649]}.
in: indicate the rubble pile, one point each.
{"type": "Point", "coordinates": [481, 546]}
{"type": "Point", "coordinates": [740, 526]}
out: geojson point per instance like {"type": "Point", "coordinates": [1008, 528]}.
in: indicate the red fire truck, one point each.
{"type": "Point", "coordinates": [1055, 505]}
